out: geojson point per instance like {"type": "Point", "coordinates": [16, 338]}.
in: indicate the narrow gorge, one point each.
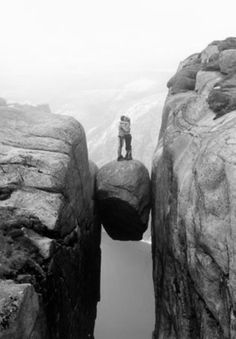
{"type": "Point", "coordinates": [53, 201]}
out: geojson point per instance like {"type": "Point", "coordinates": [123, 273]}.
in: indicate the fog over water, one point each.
{"type": "Point", "coordinates": [126, 310]}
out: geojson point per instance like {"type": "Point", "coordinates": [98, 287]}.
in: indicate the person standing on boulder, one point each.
{"type": "Point", "coordinates": [124, 136]}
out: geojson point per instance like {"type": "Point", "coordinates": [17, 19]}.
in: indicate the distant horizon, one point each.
{"type": "Point", "coordinates": [55, 51]}
{"type": "Point", "coordinates": [51, 38]}
{"type": "Point", "coordinates": [64, 89]}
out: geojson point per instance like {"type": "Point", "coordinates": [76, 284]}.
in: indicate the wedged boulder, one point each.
{"type": "Point", "coordinates": [49, 231]}
{"type": "Point", "coordinates": [123, 197]}
{"type": "Point", "coordinates": [193, 219]}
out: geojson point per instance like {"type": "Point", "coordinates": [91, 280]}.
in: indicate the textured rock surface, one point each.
{"type": "Point", "coordinates": [185, 77]}
{"type": "Point", "coordinates": [219, 57]}
{"type": "Point", "coordinates": [49, 231]}
{"type": "Point", "coordinates": [222, 98]}
{"type": "Point", "coordinates": [123, 195]}
{"type": "Point", "coordinates": [193, 230]}
{"type": "Point", "coordinates": [20, 315]}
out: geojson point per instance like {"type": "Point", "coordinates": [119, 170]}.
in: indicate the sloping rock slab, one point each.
{"type": "Point", "coordinates": [20, 312]}
{"type": "Point", "coordinates": [44, 168]}
{"type": "Point", "coordinates": [123, 194]}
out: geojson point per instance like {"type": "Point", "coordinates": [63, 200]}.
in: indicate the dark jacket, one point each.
{"type": "Point", "coordinates": [124, 128]}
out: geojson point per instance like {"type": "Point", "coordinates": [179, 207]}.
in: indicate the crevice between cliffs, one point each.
{"type": "Point", "coordinates": [50, 256]}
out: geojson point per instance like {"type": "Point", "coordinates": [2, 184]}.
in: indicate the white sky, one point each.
{"type": "Point", "coordinates": [69, 36]}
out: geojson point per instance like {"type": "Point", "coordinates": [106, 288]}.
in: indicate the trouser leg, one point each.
{"type": "Point", "coordinates": [120, 146]}
{"type": "Point", "coordinates": [128, 139]}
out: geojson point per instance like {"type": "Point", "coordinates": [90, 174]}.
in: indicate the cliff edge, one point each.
{"type": "Point", "coordinates": [194, 199]}
{"type": "Point", "coordinates": [49, 230]}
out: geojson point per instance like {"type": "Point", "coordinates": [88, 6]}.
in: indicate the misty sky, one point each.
{"type": "Point", "coordinates": [53, 37]}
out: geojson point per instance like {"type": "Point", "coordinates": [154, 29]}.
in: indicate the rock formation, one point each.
{"type": "Point", "coordinates": [123, 195]}
{"type": "Point", "coordinates": [194, 199]}
{"type": "Point", "coordinates": [49, 229]}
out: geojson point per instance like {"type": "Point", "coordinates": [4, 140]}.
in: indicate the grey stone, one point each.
{"type": "Point", "coordinates": [222, 97]}
{"type": "Point", "coordinates": [19, 310]}
{"type": "Point", "coordinates": [43, 159]}
{"type": "Point", "coordinates": [49, 231]}
{"type": "Point", "coordinates": [185, 77]}
{"type": "Point", "coordinates": [227, 61]}
{"type": "Point", "coordinates": [123, 195]}
{"type": "Point", "coordinates": [193, 217]}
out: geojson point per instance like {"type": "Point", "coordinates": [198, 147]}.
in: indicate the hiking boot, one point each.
{"type": "Point", "coordinates": [120, 158]}
{"type": "Point", "coordinates": [128, 156]}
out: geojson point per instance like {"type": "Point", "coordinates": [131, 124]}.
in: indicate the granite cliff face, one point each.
{"type": "Point", "coordinates": [194, 199]}
{"type": "Point", "coordinates": [49, 229]}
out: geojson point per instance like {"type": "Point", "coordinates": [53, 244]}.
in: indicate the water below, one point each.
{"type": "Point", "coordinates": [126, 309]}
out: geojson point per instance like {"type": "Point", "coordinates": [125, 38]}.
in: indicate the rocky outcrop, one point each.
{"type": "Point", "coordinates": [123, 196]}
{"type": "Point", "coordinates": [194, 199]}
{"type": "Point", "coordinates": [185, 78]}
{"type": "Point", "coordinates": [49, 229]}
{"type": "Point", "coordinates": [20, 315]}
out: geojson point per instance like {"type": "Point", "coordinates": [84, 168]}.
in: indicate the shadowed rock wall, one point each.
{"type": "Point", "coordinates": [193, 191]}
{"type": "Point", "coordinates": [49, 229]}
